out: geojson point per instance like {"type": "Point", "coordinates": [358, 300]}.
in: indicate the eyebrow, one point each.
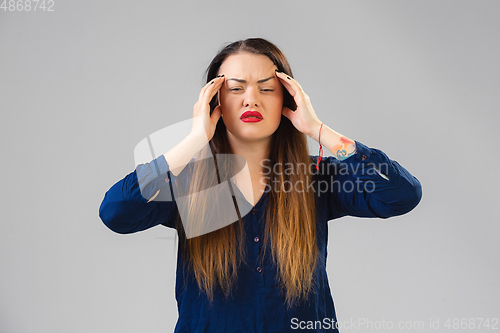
{"type": "Point", "coordinates": [244, 81]}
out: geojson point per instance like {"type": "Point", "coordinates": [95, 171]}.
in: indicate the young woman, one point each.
{"type": "Point", "coordinates": [265, 270]}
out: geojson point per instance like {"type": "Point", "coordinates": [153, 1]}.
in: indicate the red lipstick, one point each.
{"type": "Point", "coordinates": [251, 117]}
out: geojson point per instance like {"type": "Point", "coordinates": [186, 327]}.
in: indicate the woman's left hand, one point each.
{"type": "Point", "coordinates": [304, 118]}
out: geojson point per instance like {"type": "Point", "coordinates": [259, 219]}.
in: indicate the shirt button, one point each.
{"type": "Point", "coordinates": [259, 269]}
{"type": "Point", "coordinates": [254, 211]}
{"type": "Point", "coordinates": [363, 157]}
{"type": "Point", "coordinates": [256, 239]}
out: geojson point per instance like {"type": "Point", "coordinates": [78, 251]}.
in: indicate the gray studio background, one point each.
{"type": "Point", "coordinates": [81, 86]}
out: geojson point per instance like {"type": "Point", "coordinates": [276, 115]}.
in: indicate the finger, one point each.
{"type": "Point", "coordinates": [287, 86]}
{"type": "Point", "coordinates": [207, 86]}
{"type": "Point", "coordinates": [290, 84]}
{"type": "Point", "coordinates": [293, 81]}
{"type": "Point", "coordinates": [212, 89]}
{"type": "Point", "coordinates": [203, 89]}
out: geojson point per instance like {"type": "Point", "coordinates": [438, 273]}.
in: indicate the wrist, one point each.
{"type": "Point", "coordinates": [314, 134]}
{"type": "Point", "coordinates": [199, 139]}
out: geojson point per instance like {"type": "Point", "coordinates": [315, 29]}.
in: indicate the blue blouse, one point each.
{"type": "Point", "coordinates": [366, 184]}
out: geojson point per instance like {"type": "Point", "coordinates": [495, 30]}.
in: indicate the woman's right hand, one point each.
{"type": "Point", "coordinates": [203, 122]}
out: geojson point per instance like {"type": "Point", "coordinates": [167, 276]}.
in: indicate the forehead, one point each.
{"type": "Point", "coordinates": [247, 65]}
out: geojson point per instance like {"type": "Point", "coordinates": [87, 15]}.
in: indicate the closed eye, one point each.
{"type": "Point", "coordinates": [238, 89]}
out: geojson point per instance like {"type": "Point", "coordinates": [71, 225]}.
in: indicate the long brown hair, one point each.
{"type": "Point", "coordinates": [290, 226]}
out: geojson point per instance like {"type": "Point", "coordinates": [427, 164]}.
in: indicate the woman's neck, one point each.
{"type": "Point", "coordinates": [254, 152]}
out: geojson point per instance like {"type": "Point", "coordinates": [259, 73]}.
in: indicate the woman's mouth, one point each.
{"type": "Point", "coordinates": [251, 117]}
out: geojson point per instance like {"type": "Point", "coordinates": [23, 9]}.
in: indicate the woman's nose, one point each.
{"type": "Point", "coordinates": [250, 98]}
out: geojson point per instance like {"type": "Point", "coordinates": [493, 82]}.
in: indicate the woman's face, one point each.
{"type": "Point", "coordinates": [250, 85]}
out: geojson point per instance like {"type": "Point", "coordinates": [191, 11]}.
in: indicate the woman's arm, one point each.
{"type": "Point", "coordinates": [143, 198]}
{"type": "Point", "coordinates": [339, 145]}
{"type": "Point", "coordinates": [368, 184]}
{"type": "Point", "coordinates": [363, 181]}
{"type": "Point", "coordinates": [125, 210]}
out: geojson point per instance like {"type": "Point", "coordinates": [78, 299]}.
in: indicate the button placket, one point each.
{"type": "Point", "coordinates": [256, 248]}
